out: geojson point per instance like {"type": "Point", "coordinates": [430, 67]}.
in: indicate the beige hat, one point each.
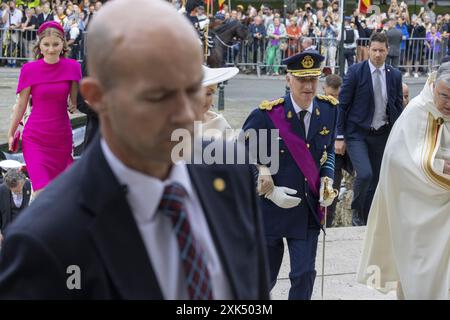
{"type": "Point", "coordinates": [217, 75]}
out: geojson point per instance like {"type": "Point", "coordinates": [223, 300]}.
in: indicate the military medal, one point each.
{"type": "Point", "coordinates": [325, 131]}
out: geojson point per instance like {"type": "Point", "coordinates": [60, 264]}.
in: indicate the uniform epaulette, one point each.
{"type": "Point", "coordinates": [329, 99]}
{"type": "Point", "coordinates": [268, 105]}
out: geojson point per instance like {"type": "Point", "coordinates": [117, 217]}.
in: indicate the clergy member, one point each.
{"type": "Point", "coordinates": [407, 240]}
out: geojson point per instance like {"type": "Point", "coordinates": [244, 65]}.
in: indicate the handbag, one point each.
{"type": "Point", "coordinates": [16, 139]}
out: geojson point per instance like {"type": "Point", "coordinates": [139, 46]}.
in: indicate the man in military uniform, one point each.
{"type": "Point", "coordinates": [293, 199]}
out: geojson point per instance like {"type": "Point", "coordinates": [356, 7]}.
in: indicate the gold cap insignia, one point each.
{"type": "Point", "coordinates": [308, 62]}
{"type": "Point", "coordinates": [219, 184]}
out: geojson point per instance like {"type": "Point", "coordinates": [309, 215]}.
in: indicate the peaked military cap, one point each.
{"type": "Point", "coordinates": [304, 64]}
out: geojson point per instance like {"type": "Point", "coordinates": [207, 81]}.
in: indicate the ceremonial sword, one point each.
{"type": "Point", "coordinates": [326, 195]}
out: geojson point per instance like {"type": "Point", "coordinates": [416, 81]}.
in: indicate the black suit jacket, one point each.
{"type": "Point", "coordinates": [92, 123]}
{"type": "Point", "coordinates": [41, 20]}
{"type": "Point", "coordinates": [357, 104]}
{"type": "Point", "coordinates": [83, 219]}
{"type": "Point", "coordinates": [5, 202]}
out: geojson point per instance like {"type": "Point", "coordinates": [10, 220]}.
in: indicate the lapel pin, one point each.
{"type": "Point", "coordinates": [289, 115]}
{"type": "Point", "coordinates": [219, 184]}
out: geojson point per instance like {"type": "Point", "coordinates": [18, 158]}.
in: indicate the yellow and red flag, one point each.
{"type": "Point", "coordinates": [363, 5]}
{"type": "Point", "coordinates": [221, 2]}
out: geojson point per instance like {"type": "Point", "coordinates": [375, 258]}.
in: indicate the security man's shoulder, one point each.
{"type": "Point", "coordinates": [267, 105]}
{"type": "Point", "coordinates": [324, 100]}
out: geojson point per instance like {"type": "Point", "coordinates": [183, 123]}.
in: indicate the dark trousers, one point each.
{"type": "Point", "coordinates": [366, 156]}
{"type": "Point", "coordinates": [393, 61]}
{"type": "Point", "coordinates": [258, 47]}
{"type": "Point", "coordinates": [302, 253]}
{"type": "Point", "coordinates": [349, 55]}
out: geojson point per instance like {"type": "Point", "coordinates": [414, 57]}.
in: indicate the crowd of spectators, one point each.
{"type": "Point", "coordinates": [417, 41]}
{"type": "Point", "coordinates": [20, 19]}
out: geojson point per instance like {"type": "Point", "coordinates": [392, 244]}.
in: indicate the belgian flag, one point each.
{"type": "Point", "coordinates": [363, 5]}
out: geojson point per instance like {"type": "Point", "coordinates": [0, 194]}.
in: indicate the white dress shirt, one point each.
{"type": "Point", "coordinates": [13, 19]}
{"type": "Point", "coordinates": [144, 195]}
{"type": "Point", "coordinates": [307, 118]}
{"type": "Point", "coordinates": [383, 79]}
{"type": "Point", "coordinates": [17, 198]}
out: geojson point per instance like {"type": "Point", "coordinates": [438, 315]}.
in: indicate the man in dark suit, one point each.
{"type": "Point", "coordinates": [91, 116]}
{"type": "Point", "coordinates": [45, 16]}
{"type": "Point", "coordinates": [15, 194]}
{"type": "Point", "coordinates": [292, 197]}
{"type": "Point", "coordinates": [125, 222]}
{"type": "Point", "coordinates": [395, 37]}
{"type": "Point", "coordinates": [369, 103]}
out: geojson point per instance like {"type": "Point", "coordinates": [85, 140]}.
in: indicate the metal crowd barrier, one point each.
{"type": "Point", "coordinates": [18, 45]}
{"type": "Point", "coordinates": [416, 54]}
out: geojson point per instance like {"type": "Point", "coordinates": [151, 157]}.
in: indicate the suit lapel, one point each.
{"type": "Point", "coordinates": [314, 123]}
{"type": "Point", "coordinates": [26, 191]}
{"type": "Point", "coordinates": [367, 71]}
{"type": "Point", "coordinates": [114, 231]}
{"type": "Point", "coordinates": [215, 205]}
{"type": "Point", "coordinates": [389, 83]}
{"type": "Point", "coordinates": [7, 198]}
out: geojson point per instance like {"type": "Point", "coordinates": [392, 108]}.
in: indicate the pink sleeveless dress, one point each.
{"type": "Point", "coordinates": [47, 136]}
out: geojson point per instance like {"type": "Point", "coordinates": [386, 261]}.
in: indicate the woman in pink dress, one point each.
{"type": "Point", "coordinates": [52, 82]}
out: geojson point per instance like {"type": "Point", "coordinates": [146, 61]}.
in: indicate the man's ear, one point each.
{"type": "Point", "coordinates": [288, 80]}
{"type": "Point", "coordinates": [92, 92]}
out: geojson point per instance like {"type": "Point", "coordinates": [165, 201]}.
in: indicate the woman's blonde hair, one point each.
{"type": "Point", "coordinates": [48, 33]}
{"type": "Point", "coordinates": [212, 87]}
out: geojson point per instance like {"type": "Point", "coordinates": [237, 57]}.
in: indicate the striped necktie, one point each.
{"type": "Point", "coordinates": [191, 254]}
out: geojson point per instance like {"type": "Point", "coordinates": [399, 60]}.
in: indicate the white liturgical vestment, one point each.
{"type": "Point", "coordinates": [408, 231]}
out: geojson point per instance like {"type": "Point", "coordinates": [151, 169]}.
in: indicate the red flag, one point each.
{"type": "Point", "coordinates": [364, 5]}
{"type": "Point", "coordinates": [221, 2]}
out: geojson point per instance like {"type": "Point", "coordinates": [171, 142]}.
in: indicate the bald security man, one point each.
{"type": "Point", "coordinates": [125, 222]}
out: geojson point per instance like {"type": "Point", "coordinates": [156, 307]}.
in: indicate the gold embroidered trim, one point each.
{"type": "Point", "coordinates": [268, 105]}
{"type": "Point", "coordinates": [427, 158]}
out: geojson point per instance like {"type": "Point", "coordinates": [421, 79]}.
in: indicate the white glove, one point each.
{"type": "Point", "coordinates": [202, 24]}
{"type": "Point", "coordinates": [327, 193]}
{"type": "Point", "coordinates": [280, 196]}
